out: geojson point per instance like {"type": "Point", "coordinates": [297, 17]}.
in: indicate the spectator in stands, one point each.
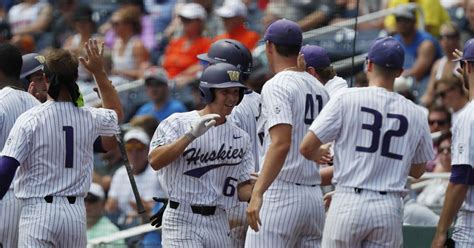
{"type": "Point", "coordinates": [467, 30]}
{"type": "Point", "coordinates": [453, 94]}
{"type": "Point", "coordinates": [433, 194]}
{"type": "Point", "coordinates": [213, 25]}
{"type": "Point", "coordinates": [233, 14]}
{"type": "Point", "coordinates": [347, 9]}
{"type": "Point", "coordinates": [121, 196]}
{"type": "Point", "coordinates": [32, 74]}
{"type": "Point", "coordinates": [308, 14]}
{"type": "Point", "coordinates": [161, 105]}
{"type": "Point", "coordinates": [30, 18]}
{"type": "Point", "coordinates": [360, 79]}
{"type": "Point", "coordinates": [434, 15]}
{"type": "Point", "coordinates": [129, 55]}
{"type": "Point", "coordinates": [439, 118]}
{"type": "Point", "coordinates": [5, 32]}
{"type": "Point", "coordinates": [445, 66]}
{"type": "Point", "coordinates": [62, 24]}
{"type": "Point", "coordinates": [146, 122]}
{"type": "Point", "coordinates": [180, 61]}
{"type": "Point", "coordinates": [421, 48]}
{"type": "Point", "coordinates": [98, 225]}
{"type": "Point", "coordinates": [439, 121]}
{"type": "Point", "coordinates": [85, 29]}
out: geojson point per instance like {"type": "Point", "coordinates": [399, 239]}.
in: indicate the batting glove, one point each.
{"type": "Point", "coordinates": [157, 218]}
{"type": "Point", "coordinates": [201, 126]}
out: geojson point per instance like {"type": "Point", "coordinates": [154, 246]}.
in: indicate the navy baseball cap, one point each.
{"type": "Point", "coordinates": [315, 56]}
{"type": "Point", "coordinates": [387, 52]}
{"type": "Point", "coordinates": [468, 52]}
{"type": "Point", "coordinates": [284, 32]}
{"type": "Point", "coordinates": [32, 62]}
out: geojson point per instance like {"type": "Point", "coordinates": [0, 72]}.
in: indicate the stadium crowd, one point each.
{"type": "Point", "coordinates": [157, 42]}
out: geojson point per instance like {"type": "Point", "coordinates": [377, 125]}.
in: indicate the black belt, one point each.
{"type": "Point", "coordinates": [197, 209]}
{"type": "Point", "coordinates": [358, 190]}
{"type": "Point", "coordinates": [70, 199]}
{"type": "Point", "coordinates": [309, 185]}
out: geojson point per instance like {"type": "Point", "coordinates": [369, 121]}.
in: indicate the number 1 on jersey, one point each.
{"type": "Point", "coordinates": [69, 134]}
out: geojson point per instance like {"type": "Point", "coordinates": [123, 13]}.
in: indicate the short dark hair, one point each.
{"type": "Point", "coordinates": [10, 61]}
{"type": "Point", "coordinates": [440, 108]}
{"type": "Point", "coordinates": [386, 72]}
{"type": "Point", "coordinates": [326, 73]}
{"type": "Point", "coordinates": [288, 50]}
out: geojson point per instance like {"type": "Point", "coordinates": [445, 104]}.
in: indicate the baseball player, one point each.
{"type": "Point", "coordinates": [318, 64]}
{"type": "Point", "coordinates": [13, 102]}
{"type": "Point", "coordinates": [244, 115]}
{"type": "Point", "coordinates": [33, 76]}
{"type": "Point", "coordinates": [380, 138]}
{"type": "Point", "coordinates": [292, 214]}
{"type": "Point", "coordinates": [461, 184]}
{"type": "Point", "coordinates": [203, 160]}
{"type": "Point", "coordinates": [52, 146]}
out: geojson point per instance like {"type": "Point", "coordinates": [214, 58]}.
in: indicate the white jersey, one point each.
{"type": "Point", "coordinates": [53, 143]}
{"type": "Point", "coordinates": [147, 185]}
{"type": "Point", "coordinates": [245, 116]}
{"type": "Point", "coordinates": [334, 85]}
{"type": "Point", "coordinates": [293, 98]}
{"type": "Point", "coordinates": [463, 146]}
{"type": "Point", "coordinates": [13, 103]}
{"type": "Point", "coordinates": [378, 136]}
{"type": "Point", "coordinates": [211, 166]}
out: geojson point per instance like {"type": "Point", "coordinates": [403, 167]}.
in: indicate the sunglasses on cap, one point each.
{"type": "Point", "coordinates": [134, 146]}
{"type": "Point", "coordinates": [91, 198]}
{"type": "Point", "coordinates": [444, 150]}
{"type": "Point", "coordinates": [439, 122]}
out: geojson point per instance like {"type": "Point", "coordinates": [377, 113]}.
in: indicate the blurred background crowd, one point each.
{"type": "Point", "coordinates": [151, 48]}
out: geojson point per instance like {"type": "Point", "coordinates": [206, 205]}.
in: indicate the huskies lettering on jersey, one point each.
{"type": "Point", "coordinates": [196, 156]}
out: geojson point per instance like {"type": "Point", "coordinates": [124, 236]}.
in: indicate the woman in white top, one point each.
{"type": "Point", "coordinates": [445, 66]}
{"type": "Point", "coordinates": [129, 55]}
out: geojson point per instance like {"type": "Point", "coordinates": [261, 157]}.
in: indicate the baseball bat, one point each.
{"type": "Point", "coordinates": [138, 199]}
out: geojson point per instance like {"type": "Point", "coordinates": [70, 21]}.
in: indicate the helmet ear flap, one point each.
{"type": "Point", "coordinates": [206, 94]}
{"type": "Point", "coordinates": [241, 94]}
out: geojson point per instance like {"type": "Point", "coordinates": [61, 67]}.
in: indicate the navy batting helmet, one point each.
{"type": "Point", "coordinates": [232, 52]}
{"type": "Point", "coordinates": [220, 76]}
{"type": "Point", "coordinates": [32, 62]}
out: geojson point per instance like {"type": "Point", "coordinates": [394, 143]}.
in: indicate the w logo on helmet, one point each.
{"type": "Point", "coordinates": [40, 59]}
{"type": "Point", "coordinates": [234, 75]}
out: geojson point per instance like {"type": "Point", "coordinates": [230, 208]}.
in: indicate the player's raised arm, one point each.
{"type": "Point", "coordinates": [93, 62]}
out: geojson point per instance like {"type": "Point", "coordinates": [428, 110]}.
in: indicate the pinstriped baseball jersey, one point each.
{"type": "Point", "coordinates": [334, 85]}
{"type": "Point", "coordinates": [53, 143]}
{"type": "Point", "coordinates": [293, 98]}
{"type": "Point", "coordinates": [245, 116]}
{"type": "Point", "coordinates": [12, 104]}
{"type": "Point", "coordinates": [463, 146]}
{"type": "Point", "coordinates": [211, 166]}
{"type": "Point", "coordinates": [378, 135]}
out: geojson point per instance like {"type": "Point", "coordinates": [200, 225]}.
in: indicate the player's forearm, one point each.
{"type": "Point", "coordinates": [417, 170]}
{"type": "Point", "coordinates": [8, 168]}
{"type": "Point", "coordinates": [244, 191]}
{"type": "Point", "coordinates": [326, 175]}
{"type": "Point", "coordinates": [455, 194]}
{"type": "Point", "coordinates": [162, 156]}
{"type": "Point", "coordinates": [272, 165]}
{"type": "Point", "coordinates": [108, 94]}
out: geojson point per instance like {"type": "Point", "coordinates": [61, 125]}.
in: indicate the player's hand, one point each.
{"type": "Point", "coordinates": [327, 198]}
{"type": "Point", "coordinates": [253, 211]}
{"type": "Point", "coordinates": [458, 55]}
{"type": "Point", "coordinates": [439, 241]}
{"type": "Point", "coordinates": [156, 219]}
{"type": "Point", "coordinates": [93, 61]}
{"type": "Point", "coordinates": [201, 126]}
{"type": "Point", "coordinates": [323, 155]}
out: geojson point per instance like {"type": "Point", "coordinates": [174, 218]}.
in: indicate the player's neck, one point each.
{"type": "Point", "coordinates": [285, 64]}
{"type": "Point", "coordinates": [4, 82]}
{"type": "Point", "coordinates": [382, 83]}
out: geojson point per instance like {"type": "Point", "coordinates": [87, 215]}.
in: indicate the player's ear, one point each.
{"type": "Point", "coordinates": [268, 47]}
{"type": "Point", "coordinates": [311, 71]}
{"type": "Point", "coordinates": [370, 65]}
{"type": "Point", "coordinates": [400, 72]}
